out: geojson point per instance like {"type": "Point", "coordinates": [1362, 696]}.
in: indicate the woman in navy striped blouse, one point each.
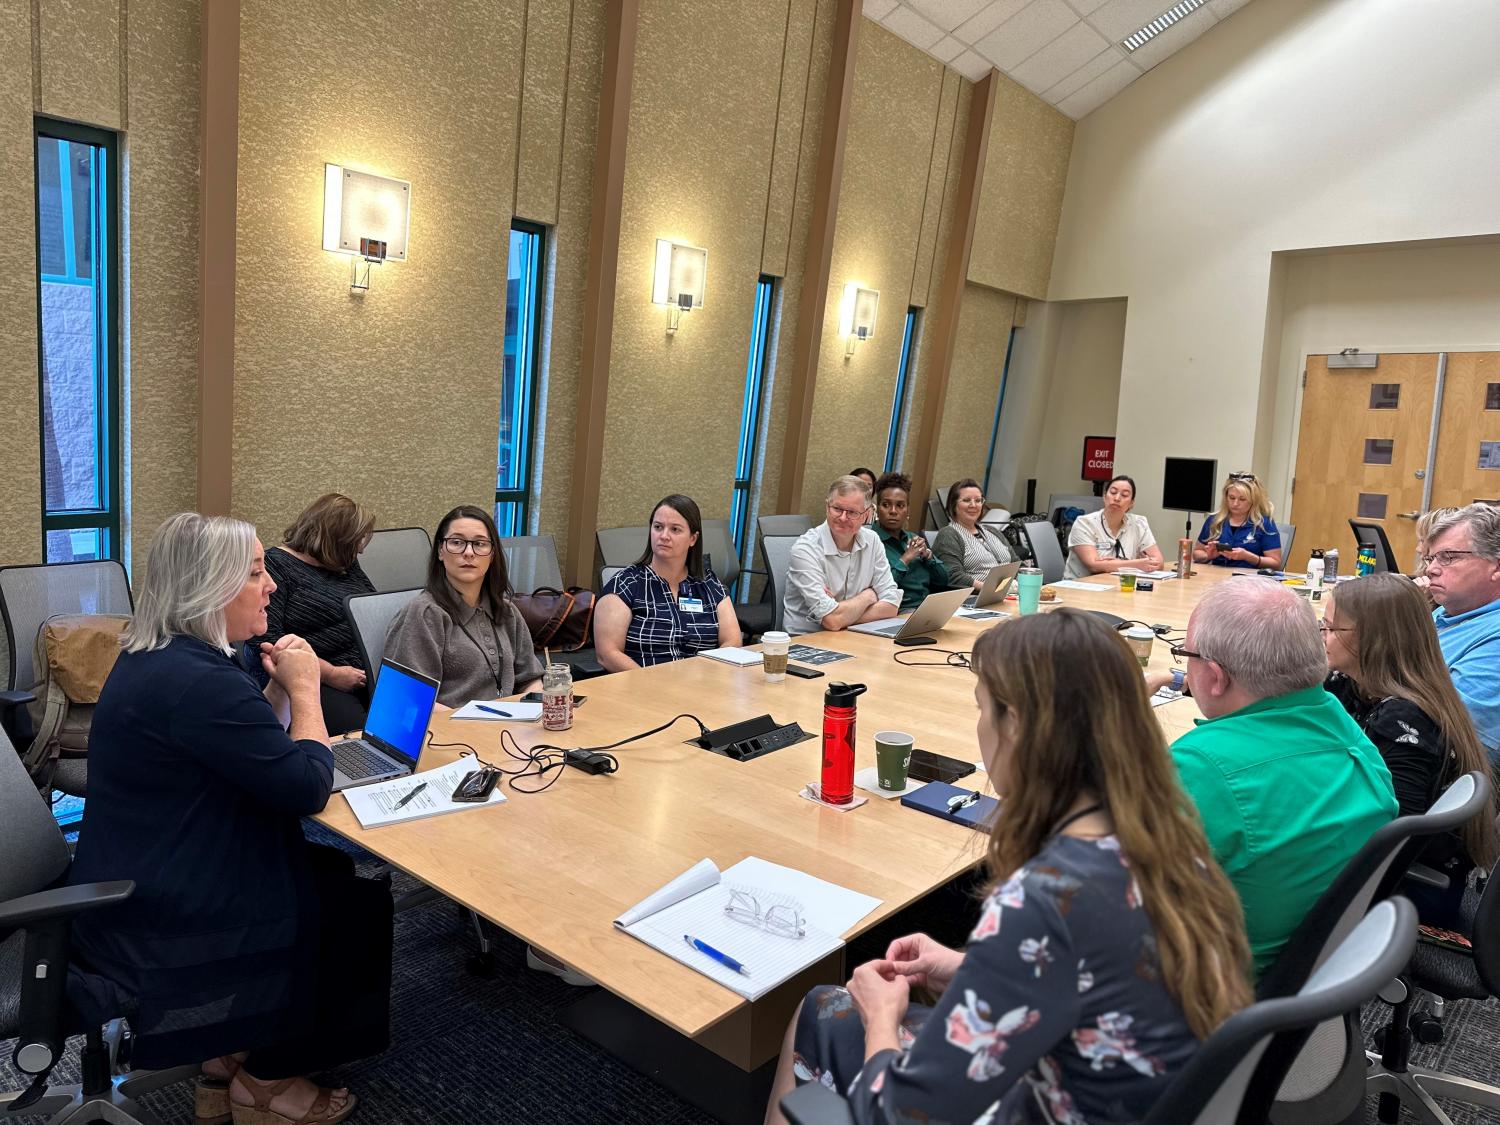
{"type": "Point", "coordinates": [667, 606]}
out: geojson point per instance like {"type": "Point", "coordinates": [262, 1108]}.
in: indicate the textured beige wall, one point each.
{"type": "Point", "coordinates": [160, 367]}
{"type": "Point", "coordinates": [1083, 394]}
{"type": "Point", "coordinates": [1025, 172]}
{"type": "Point", "coordinates": [390, 396]}
{"type": "Point", "coordinates": [80, 50]}
{"type": "Point", "coordinates": [984, 322]}
{"type": "Point", "coordinates": [896, 109]}
{"type": "Point", "coordinates": [698, 170]}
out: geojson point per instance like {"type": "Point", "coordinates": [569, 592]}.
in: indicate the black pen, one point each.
{"type": "Point", "coordinates": [415, 790]}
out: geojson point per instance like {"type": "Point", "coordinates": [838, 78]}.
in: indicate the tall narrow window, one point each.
{"type": "Point", "coordinates": [518, 386]}
{"type": "Point", "coordinates": [755, 382]}
{"type": "Point", "coordinates": [903, 389]}
{"type": "Point", "coordinates": [989, 462]}
{"type": "Point", "coordinates": [78, 341]}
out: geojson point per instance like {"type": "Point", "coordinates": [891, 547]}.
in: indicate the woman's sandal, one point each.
{"type": "Point", "coordinates": [211, 1098]}
{"type": "Point", "coordinates": [261, 1113]}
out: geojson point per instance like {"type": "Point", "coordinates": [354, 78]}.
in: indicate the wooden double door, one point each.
{"type": "Point", "coordinates": [1367, 447]}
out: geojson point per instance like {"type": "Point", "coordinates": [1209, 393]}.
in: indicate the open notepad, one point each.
{"type": "Point", "coordinates": [375, 805]}
{"type": "Point", "coordinates": [693, 904]}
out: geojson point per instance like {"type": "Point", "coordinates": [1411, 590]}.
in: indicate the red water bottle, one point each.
{"type": "Point", "coordinates": [837, 783]}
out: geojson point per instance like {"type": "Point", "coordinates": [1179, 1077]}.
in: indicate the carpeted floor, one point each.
{"type": "Point", "coordinates": [469, 1050]}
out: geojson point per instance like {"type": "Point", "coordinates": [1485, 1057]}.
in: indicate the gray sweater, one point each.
{"type": "Point", "coordinates": [476, 657]}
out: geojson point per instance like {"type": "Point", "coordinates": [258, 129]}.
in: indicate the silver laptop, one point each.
{"type": "Point", "coordinates": [935, 611]}
{"type": "Point", "coordinates": [996, 586]}
{"type": "Point", "coordinates": [391, 742]}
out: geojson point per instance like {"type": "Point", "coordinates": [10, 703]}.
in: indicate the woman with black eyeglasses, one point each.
{"type": "Point", "coordinates": [1241, 533]}
{"type": "Point", "coordinates": [462, 630]}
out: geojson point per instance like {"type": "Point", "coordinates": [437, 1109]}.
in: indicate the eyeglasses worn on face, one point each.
{"type": "Point", "coordinates": [1324, 627]}
{"type": "Point", "coordinates": [455, 545]}
{"type": "Point", "coordinates": [848, 513]}
{"type": "Point", "coordinates": [1180, 651]}
{"type": "Point", "coordinates": [1443, 558]}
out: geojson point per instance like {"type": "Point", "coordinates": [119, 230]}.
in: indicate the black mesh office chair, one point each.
{"type": "Point", "coordinates": [1371, 536]}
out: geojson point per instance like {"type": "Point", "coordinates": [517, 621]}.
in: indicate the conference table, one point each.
{"type": "Point", "coordinates": [556, 868]}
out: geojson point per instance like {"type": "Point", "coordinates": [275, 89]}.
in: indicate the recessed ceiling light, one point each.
{"type": "Point", "coordinates": [1147, 32]}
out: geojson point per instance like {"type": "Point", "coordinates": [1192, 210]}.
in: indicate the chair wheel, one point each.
{"type": "Point", "coordinates": [1426, 1029]}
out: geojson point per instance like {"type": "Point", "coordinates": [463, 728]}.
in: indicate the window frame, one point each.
{"type": "Point", "coordinates": [900, 398]}
{"type": "Point", "coordinates": [108, 460]}
{"type": "Point", "coordinates": [529, 376]}
{"type": "Point", "coordinates": [748, 455]}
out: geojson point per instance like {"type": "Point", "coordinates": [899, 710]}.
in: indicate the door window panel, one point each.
{"type": "Point", "coordinates": [1385, 396]}
{"type": "Point", "coordinates": [1372, 505]}
{"type": "Point", "coordinates": [1379, 451]}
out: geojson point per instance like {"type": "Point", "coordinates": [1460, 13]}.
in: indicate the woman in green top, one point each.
{"type": "Point", "coordinates": [914, 567]}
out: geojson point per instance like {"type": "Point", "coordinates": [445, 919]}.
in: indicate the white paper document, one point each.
{"type": "Point", "coordinates": [1075, 584]}
{"type": "Point", "coordinates": [500, 711]}
{"type": "Point", "coordinates": [693, 905]}
{"type": "Point", "coordinates": [375, 805]}
{"type": "Point", "coordinates": [733, 655]}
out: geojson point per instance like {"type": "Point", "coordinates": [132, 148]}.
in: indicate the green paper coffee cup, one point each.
{"type": "Point", "coordinates": [892, 757]}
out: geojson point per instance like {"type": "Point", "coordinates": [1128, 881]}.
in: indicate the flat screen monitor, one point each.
{"type": "Point", "coordinates": [1190, 484]}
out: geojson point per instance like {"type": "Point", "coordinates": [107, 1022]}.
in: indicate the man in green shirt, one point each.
{"type": "Point", "coordinates": [914, 567]}
{"type": "Point", "coordinates": [1288, 786]}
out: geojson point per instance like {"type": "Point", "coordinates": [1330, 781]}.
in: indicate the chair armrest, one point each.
{"type": "Point", "coordinates": [815, 1104]}
{"type": "Point", "coordinates": [62, 902]}
{"type": "Point", "coordinates": [16, 698]}
{"type": "Point", "coordinates": [1426, 876]}
{"type": "Point", "coordinates": [588, 669]}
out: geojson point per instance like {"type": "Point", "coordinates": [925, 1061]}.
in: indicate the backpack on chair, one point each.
{"type": "Point", "coordinates": [74, 655]}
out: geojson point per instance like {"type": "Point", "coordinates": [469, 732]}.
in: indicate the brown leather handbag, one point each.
{"type": "Point", "coordinates": [558, 619]}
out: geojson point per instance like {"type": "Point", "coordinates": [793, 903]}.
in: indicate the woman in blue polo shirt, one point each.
{"type": "Point", "coordinates": [666, 606]}
{"type": "Point", "coordinates": [1241, 533]}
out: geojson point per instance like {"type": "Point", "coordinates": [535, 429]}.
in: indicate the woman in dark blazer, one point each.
{"type": "Point", "coordinates": [243, 944]}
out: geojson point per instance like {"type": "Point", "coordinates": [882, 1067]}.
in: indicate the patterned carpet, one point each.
{"type": "Point", "coordinates": [468, 1050]}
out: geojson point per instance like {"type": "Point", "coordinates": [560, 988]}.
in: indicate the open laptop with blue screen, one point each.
{"type": "Point", "coordinates": [394, 729]}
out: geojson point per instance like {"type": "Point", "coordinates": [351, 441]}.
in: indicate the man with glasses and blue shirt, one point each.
{"type": "Point", "coordinates": [1462, 567]}
{"type": "Point", "coordinates": [838, 574]}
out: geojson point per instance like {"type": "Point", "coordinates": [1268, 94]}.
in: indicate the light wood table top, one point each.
{"type": "Point", "coordinates": [556, 868]}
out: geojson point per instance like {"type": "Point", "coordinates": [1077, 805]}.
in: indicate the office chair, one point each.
{"type": "Point", "coordinates": [718, 546]}
{"type": "Point", "coordinates": [531, 562]}
{"type": "Point", "coordinates": [396, 558]}
{"type": "Point", "coordinates": [794, 523]}
{"type": "Point", "coordinates": [621, 546]}
{"type": "Point", "coordinates": [1288, 534]}
{"type": "Point", "coordinates": [777, 551]}
{"type": "Point", "coordinates": [937, 515]}
{"type": "Point", "coordinates": [36, 915]}
{"type": "Point", "coordinates": [607, 573]}
{"type": "Point", "coordinates": [1372, 535]}
{"type": "Point", "coordinates": [28, 596]}
{"type": "Point", "coordinates": [1045, 549]}
{"type": "Point", "coordinates": [1218, 1082]}
{"type": "Point", "coordinates": [370, 617]}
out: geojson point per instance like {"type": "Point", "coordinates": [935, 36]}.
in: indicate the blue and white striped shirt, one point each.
{"type": "Point", "coordinates": [660, 628]}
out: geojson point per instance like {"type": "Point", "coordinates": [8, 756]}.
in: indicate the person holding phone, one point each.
{"type": "Point", "coordinates": [1241, 533]}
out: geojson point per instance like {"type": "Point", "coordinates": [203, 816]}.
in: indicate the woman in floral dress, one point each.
{"type": "Point", "coordinates": [1108, 944]}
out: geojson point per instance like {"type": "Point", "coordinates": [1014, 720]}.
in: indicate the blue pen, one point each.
{"type": "Point", "coordinates": [722, 958]}
{"type": "Point", "coordinates": [494, 710]}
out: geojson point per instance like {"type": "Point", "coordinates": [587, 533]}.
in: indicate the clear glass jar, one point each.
{"type": "Point", "coordinates": [557, 697]}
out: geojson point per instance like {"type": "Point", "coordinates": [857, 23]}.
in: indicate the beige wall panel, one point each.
{"type": "Point", "coordinates": [1025, 171]}
{"type": "Point", "coordinates": [81, 61]}
{"type": "Point", "coordinates": [939, 186]}
{"type": "Point", "coordinates": [698, 163]}
{"type": "Point", "coordinates": [391, 396]}
{"type": "Point", "coordinates": [21, 485]}
{"type": "Point", "coordinates": [973, 384]}
{"type": "Point", "coordinates": [570, 247]}
{"type": "Point", "coordinates": [801, 25]}
{"type": "Point", "coordinates": [1083, 397]}
{"type": "Point", "coordinates": [161, 260]}
{"type": "Point", "coordinates": [893, 113]}
{"type": "Point", "coordinates": [539, 163]}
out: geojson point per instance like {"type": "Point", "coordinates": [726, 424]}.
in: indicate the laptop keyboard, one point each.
{"type": "Point", "coordinates": [356, 760]}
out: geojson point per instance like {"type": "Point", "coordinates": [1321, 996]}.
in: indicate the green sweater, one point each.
{"type": "Point", "coordinates": [1289, 789]}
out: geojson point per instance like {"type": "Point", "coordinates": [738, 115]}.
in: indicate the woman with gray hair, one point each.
{"type": "Point", "coordinates": [240, 936]}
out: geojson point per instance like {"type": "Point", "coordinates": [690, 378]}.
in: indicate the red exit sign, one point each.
{"type": "Point", "coordinates": [1098, 458]}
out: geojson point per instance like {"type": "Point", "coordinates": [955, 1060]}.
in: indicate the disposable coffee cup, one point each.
{"type": "Point", "coordinates": [1139, 638]}
{"type": "Point", "coordinates": [892, 758]}
{"type": "Point", "coordinates": [1127, 581]}
{"type": "Point", "coordinates": [773, 646]}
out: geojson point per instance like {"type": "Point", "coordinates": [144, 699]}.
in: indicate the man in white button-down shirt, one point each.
{"type": "Point", "coordinates": [839, 575]}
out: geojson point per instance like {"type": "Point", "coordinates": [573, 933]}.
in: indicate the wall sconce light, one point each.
{"type": "Point", "coordinates": [681, 274]}
{"type": "Point", "coordinates": [857, 315]}
{"type": "Point", "coordinates": [367, 216]}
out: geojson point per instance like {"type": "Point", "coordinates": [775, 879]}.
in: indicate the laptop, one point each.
{"type": "Point", "coordinates": [394, 729]}
{"type": "Point", "coordinates": [996, 586]}
{"type": "Point", "coordinates": [935, 611]}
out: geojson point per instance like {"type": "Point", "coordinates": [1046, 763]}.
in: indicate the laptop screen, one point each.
{"type": "Point", "coordinates": [399, 711]}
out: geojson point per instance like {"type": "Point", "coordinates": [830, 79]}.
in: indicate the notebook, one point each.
{"type": "Point", "coordinates": [935, 796]}
{"type": "Point", "coordinates": [733, 655]}
{"type": "Point", "coordinates": [500, 711]}
{"type": "Point", "coordinates": [693, 904]}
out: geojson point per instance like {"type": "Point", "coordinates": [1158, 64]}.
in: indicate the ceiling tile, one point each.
{"type": "Point", "coordinates": [1225, 8]}
{"type": "Point", "coordinates": [912, 27]}
{"type": "Point", "coordinates": [946, 49]}
{"type": "Point", "coordinates": [1060, 58]}
{"type": "Point", "coordinates": [1099, 91]}
{"type": "Point", "coordinates": [1026, 33]}
{"type": "Point", "coordinates": [876, 9]}
{"type": "Point", "coordinates": [987, 20]}
{"type": "Point", "coordinates": [1084, 7]}
{"type": "Point", "coordinates": [971, 66]}
{"type": "Point", "coordinates": [947, 14]}
{"type": "Point", "coordinates": [1083, 75]}
{"type": "Point", "coordinates": [1116, 19]}
{"type": "Point", "coordinates": [1179, 35]}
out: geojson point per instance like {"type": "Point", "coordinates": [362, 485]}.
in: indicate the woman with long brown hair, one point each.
{"type": "Point", "coordinates": [1122, 944]}
{"type": "Point", "coordinates": [1389, 674]}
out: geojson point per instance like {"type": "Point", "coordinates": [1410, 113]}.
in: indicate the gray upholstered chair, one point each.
{"type": "Point", "coordinates": [1045, 549]}
{"type": "Point", "coordinates": [370, 617]}
{"type": "Point", "coordinates": [396, 558]}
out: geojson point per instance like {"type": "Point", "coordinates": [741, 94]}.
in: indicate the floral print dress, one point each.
{"type": "Point", "coordinates": [1058, 1013]}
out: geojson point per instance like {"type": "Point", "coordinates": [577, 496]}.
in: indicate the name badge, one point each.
{"type": "Point", "coordinates": [690, 605]}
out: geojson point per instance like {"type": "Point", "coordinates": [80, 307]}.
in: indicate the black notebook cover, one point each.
{"type": "Point", "coordinates": [934, 797]}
